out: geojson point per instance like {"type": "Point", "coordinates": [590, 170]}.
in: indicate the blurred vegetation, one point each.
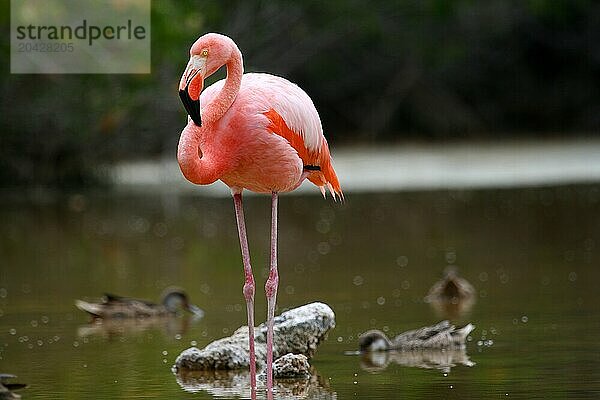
{"type": "Point", "coordinates": [377, 71]}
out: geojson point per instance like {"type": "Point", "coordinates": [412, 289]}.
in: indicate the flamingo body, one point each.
{"type": "Point", "coordinates": [262, 142]}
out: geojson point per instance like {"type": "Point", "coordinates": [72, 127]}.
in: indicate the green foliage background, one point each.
{"type": "Point", "coordinates": [377, 71]}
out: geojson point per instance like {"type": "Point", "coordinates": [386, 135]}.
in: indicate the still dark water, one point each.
{"type": "Point", "coordinates": [532, 254]}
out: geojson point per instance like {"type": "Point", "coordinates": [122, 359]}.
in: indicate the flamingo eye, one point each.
{"type": "Point", "coordinates": [204, 52]}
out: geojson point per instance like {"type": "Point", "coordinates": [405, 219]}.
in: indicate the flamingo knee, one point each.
{"type": "Point", "coordinates": [249, 288]}
{"type": "Point", "coordinates": [272, 284]}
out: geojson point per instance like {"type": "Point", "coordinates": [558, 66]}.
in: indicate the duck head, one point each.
{"type": "Point", "coordinates": [175, 299]}
{"type": "Point", "coordinates": [374, 340]}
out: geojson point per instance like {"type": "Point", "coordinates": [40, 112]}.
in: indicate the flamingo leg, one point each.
{"type": "Point", "coordinates": [248, 284]}
{"type": "Point", "coordinates": [271, 291]}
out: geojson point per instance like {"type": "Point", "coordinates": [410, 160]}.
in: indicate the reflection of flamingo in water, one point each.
{"type": "Point", "coordinates": [254, 131]}
{"type": "Point", "coordinates": [234, 384]}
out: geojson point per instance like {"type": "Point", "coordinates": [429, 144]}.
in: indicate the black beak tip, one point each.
{"type": "Point", "coordinates": [197, 119]}
{"type": "Point", "coordinates": [191, 106]}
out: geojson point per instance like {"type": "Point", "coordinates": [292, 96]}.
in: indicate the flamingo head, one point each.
{"type": "Point", "coordinates": [209, 53]}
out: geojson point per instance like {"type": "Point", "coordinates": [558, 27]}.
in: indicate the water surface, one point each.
{"type": "Point", "coordinates": [532, 254]}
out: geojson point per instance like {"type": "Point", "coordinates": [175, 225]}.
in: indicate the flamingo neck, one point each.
{"type": "Point", "coordinates": [200, 161]}
{"type": "Point", "coordinates": [195, 160]}
{"type": "Point", "coordinates": [221, 103]}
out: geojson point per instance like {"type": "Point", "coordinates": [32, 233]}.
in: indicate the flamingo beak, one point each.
{"type": "Point", "coordinates": [191, 85]}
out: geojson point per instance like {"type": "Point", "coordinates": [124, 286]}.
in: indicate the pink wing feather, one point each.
{"type": "Point", "coordinates": [292, 115]}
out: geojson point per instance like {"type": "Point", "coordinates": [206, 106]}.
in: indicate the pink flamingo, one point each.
{"type": "Point", "coordinates": [254, 131]}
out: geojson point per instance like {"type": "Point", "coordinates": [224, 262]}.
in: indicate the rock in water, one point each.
{"type": "Point", "coordinates": [299, 331]}
{"type": "Point", "coordinates": [291, 366]}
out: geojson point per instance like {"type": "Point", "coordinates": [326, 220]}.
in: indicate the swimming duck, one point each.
{"type": "Point", "coordinates": [452, 288]}
{"type": "Point", "coordinates": [442, 335]}
{"type": "Point", "coordinates": [112, 306]}
{"type": "Point", "coordinates": [6, 389]}
{"type": "Point", "coordinates": [452, 296]}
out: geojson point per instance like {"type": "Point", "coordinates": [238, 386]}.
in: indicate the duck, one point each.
{"type": "Point", "coordinates": [6, 388]}
{"type": "Point", "coordinates": [451, 297]}
{"type": "Point", "coordinates": [452, 288]}
{"type": "Point", "coordinates": [113, 306]}
{"type": "Point", "coordinates": [442, 335]}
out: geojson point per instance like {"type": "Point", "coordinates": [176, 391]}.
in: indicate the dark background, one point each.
{"type": "Point", "coordinates": [378, 72]}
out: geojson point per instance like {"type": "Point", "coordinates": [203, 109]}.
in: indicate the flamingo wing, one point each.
{"type": "Point", "coordinates": [293, 116]}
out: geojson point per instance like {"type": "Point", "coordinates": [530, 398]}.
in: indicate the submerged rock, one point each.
{"type": "Point", "coordinates": [291, 366]}
{"type": "Point", "coordinates": [299, 331]}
